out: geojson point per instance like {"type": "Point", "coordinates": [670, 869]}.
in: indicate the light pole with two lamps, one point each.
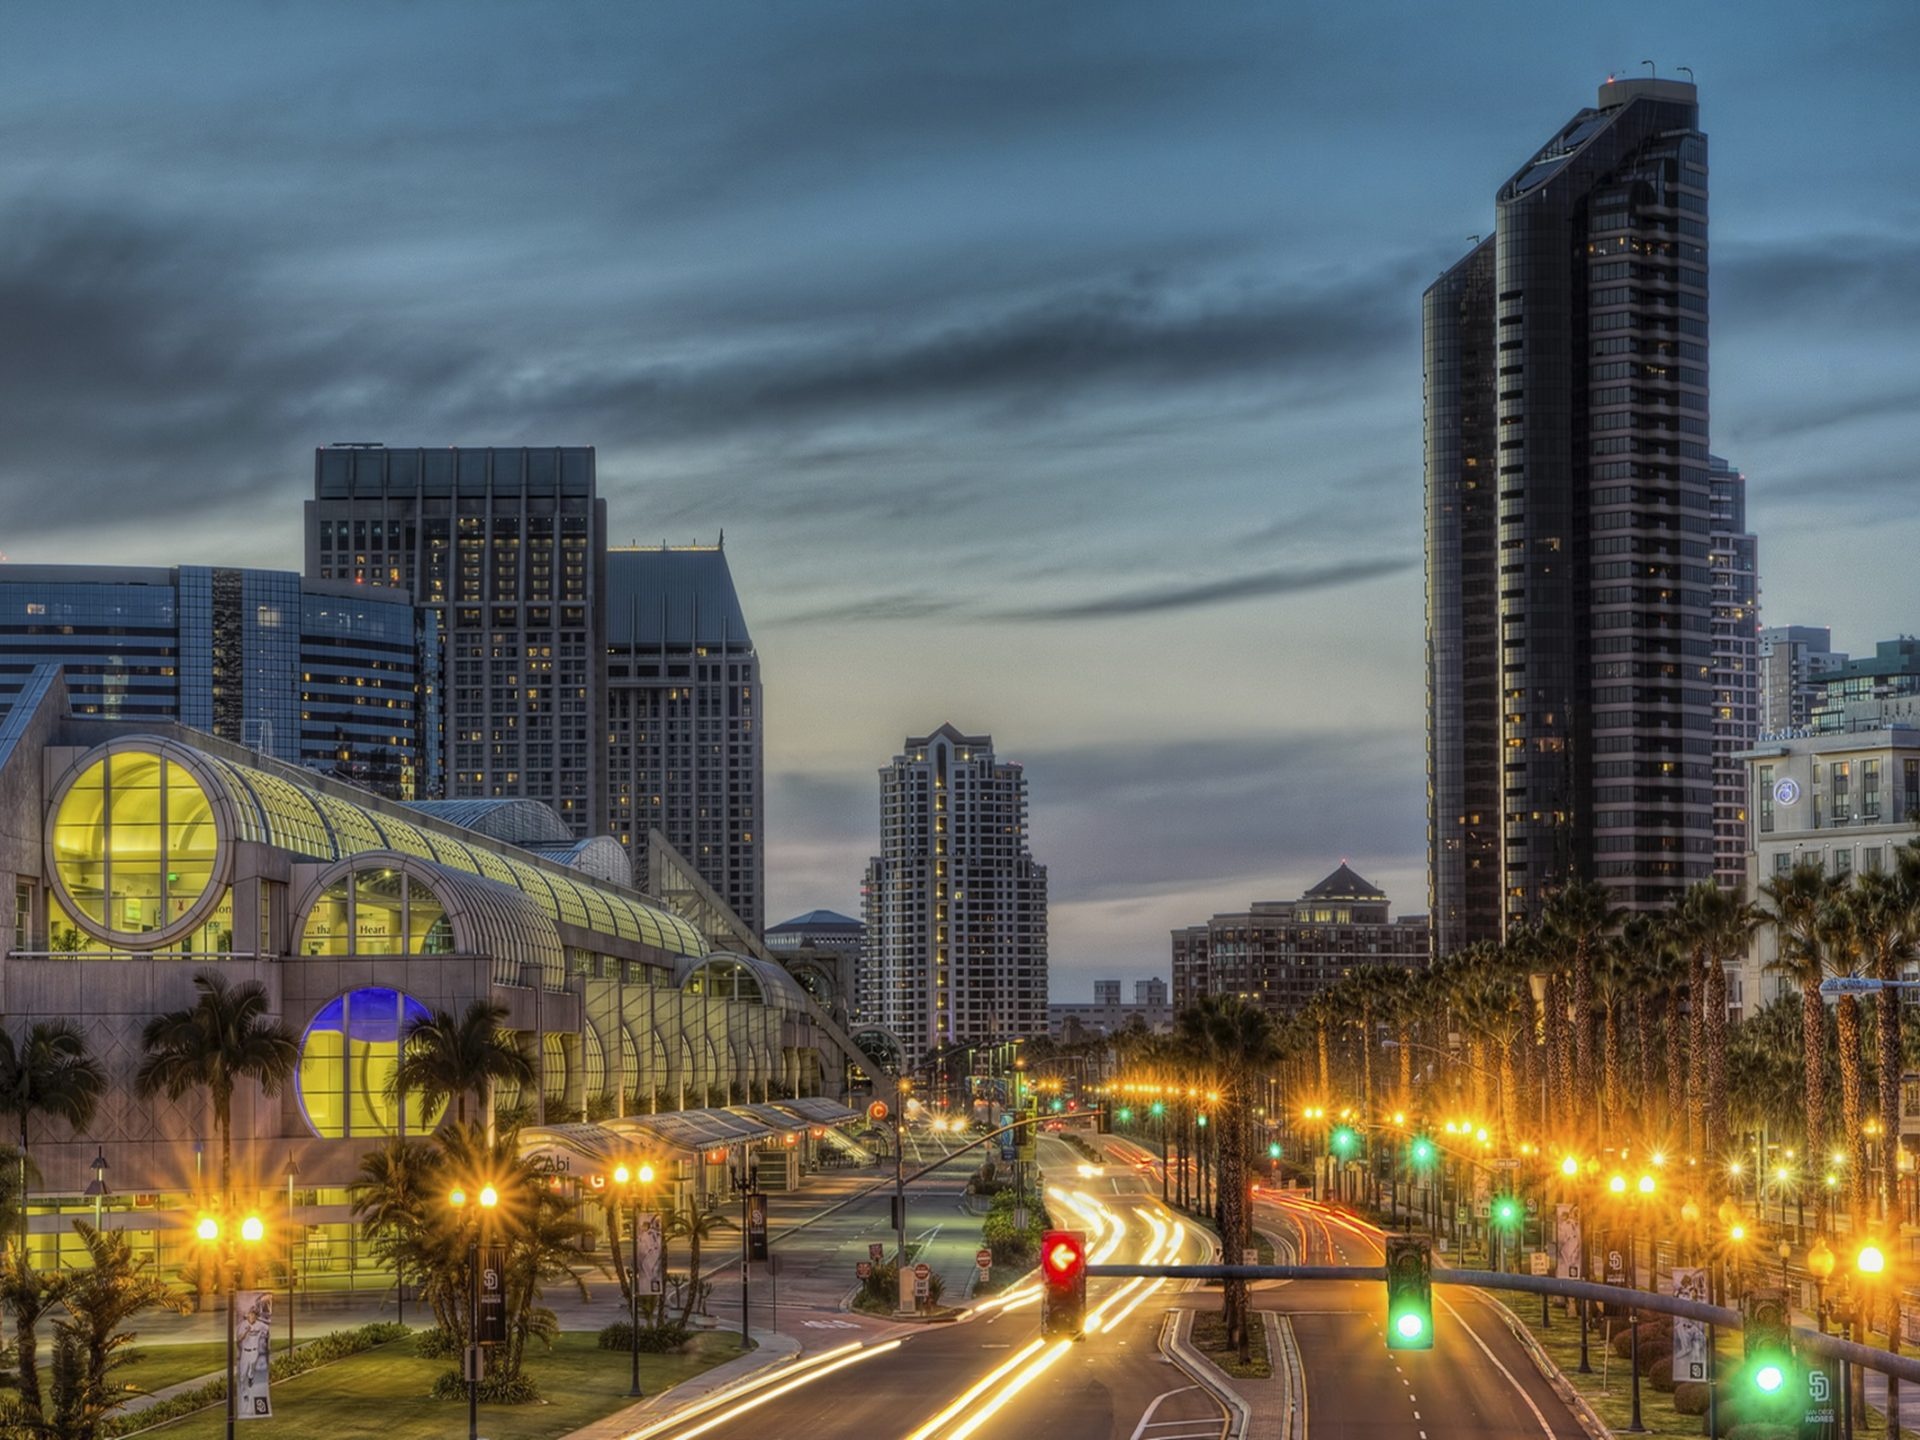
{"type": "Point", "coordinates": [211, 1232]}
{"type": "Point", "coordinates": [633, 1185]}
{"type": "Point", "coordinates": [487, 1199]}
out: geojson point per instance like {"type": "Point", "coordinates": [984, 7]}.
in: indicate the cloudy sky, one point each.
{"type": "Point", "coordinates": [1052, 368]}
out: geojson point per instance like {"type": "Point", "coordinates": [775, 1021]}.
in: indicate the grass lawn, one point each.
{"type": "Point", "coordinates": [1614, 1402]}
{"type": "Point", "coordinates": [153, 1367]}
{"type": "Point", "coordinates": [384, 1393]}
{"type": "Point", "coordinates": [1210, 1339]}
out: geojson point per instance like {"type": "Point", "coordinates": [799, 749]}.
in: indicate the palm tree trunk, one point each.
{"type": "Point", "coordinates": [223, 1118]}
{"type": "Point", "coordinates": [1887, 1009]}
{"type": "Point", "coordinates": [1610, 1061]}
{"type": "Point", "coordinates": [1642, 1106]}
{"type": "Point", "coordinates": [613, 1249]}
{"type": "Point", "coordinates": [1560, 1036]}
{"type": "Point", "coordinates": [1506, 1094]}
{"type": "Point", "coordinates": [1853, 1104]}
{"type": "Point", "coordinates": [1405, 1036]}
{"type": "Point", "coordinates": [1716, 1028]}
{"type": "Point", "coordinates": [1676, 1037]}
{"type": "Point", "coordinates": [1696, 1047]}
{"type": "Point", "coordinates": [1366, 1059]}
{"type": "Point", "coordinates": [1585, 1086]}
{"type": "Point", "coordinates": [1477, 1058]}
{"type": "Point", "coordinates": [1813, 1045]}
{"type": "Point", "coordinates": [1326, 1060]}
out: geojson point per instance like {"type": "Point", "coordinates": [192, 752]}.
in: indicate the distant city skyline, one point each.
{"type": "Point", "coordinates": [1059, 376]}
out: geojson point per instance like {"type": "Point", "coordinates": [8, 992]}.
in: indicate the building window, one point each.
{"type": "Point", "coordinates": [347, 1061]}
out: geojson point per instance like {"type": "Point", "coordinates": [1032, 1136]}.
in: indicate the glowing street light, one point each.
{"type": "Point", "coordinates": [251, 1232]}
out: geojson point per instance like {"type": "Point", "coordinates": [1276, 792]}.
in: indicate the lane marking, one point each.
{"type": "Point", "coordinates": [1144, 1424]}
{"type": "Point", "coordinates": [754, 1403]}
{"type": "Point", "coordinates": [1545, 1428]}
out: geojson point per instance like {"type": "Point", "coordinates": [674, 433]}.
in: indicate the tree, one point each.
{"type": "Point", "coordinates": [696, 1227]}
{"type": "Point", "coordinates": [28, 1297]}
{"type": "Point", "coordinates": [1795, 901]}
{"type": "Point", "coordinates": [224, 1039]}
{"type": "Point", "coordinates": [1889, 905]}
{"type": "Point", "coordinates": [49, 1074]}
{"type": "Point", "coordinates": [399, 1183]}
{"type": "Point", "coordinates": [443, 1058]}
{"type": "Point", "coordinates": [1721, 924]}
{"type": "Point", "coordinates": [1578, 915]}
{"type": "Point", "coordinates": [1237, 1040]}
{"type": "Point", "coordinates": [1838, 930]}
{"type": "Point", "coordinates": [90, 1340]}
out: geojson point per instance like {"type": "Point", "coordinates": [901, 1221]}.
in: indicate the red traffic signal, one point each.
{"type": "Point", "coordinates": [1063, 1273]}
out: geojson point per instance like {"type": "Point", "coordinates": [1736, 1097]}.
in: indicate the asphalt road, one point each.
{"type": "Point", "coordinates": [1477, 1380]}
{"type": "Point", "coordinates": [991, 1374]}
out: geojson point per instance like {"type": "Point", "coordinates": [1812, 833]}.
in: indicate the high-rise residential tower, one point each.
{"type": "Point", "coordinates": [684, 740]}
{"type": "Point", "coordinates": [1570, 589]}
{"type": "Point", "coordinates": [1736, 668]}
{"type": "Point", "coordinates": [1793, 658]}
{"type": "Point", "coordinates": [508, 545]}
{"type": "Point", "coordinates": [954, 905]}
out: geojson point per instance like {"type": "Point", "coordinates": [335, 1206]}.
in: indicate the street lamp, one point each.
{"type": "Point", "coordinates": [210, 1232]}
{"type": "Point", "coordinates": [488, 1198]}
{"type": "Point", "coordinates": [1820, 1262]}
{"type": "Point", "coordinates": [292, 1172]}
{"type": "Point", "coordinates": [638, 1180]}
{"type": "Point", "coordinates": [97, 1190]}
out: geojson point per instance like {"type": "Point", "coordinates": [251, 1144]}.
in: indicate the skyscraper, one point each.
{"type": "Point", "coordinates": [1569, 581]}
{"type": "Point", "coordinates": [684, 740]}
{"type": "Point", "coordinates": [1736, 668]}
{"type": "Point", "coordinates": [508, 547]}
{"type": "Point", "coordinates": [954, 905]}
{"type": "Point", "coordinates": [1792, 660]}
{"type": "Point", "coordinates": [339, 678]}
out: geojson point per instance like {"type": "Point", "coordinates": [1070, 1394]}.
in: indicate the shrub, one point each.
{"type": "Point", "coordinates": [494, 1389]}
{"type": "Point", "coordinates": [438, 1343]}
{"type": "Point", "coordinates": [654, 1339]}
{"type": "Point", "coordinates": [1690, 1397]}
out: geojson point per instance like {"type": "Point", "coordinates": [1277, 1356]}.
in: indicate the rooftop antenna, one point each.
{"type": "Point", "coordinates": [1687, 70]}
{"type": "Point", "coordinates": [1652, 69]}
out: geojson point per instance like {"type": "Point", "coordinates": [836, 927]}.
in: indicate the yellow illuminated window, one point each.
{"type": "Point", "coordinates": [134, 844]}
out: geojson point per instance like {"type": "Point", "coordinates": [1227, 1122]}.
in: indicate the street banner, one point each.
{"type": "Point", "coordinates": [649, 1273]}
{"type": "Point", "coordinates": [1613, 1248]}
{"type": "Point", "coordinates": [756, 1227]}
{"type": "Point", "coordinates": [1689, 1336]}
{"type": "Point", "coordinates": [493, 1295]}
{"type": "Point", "coordinates": [1818, 1420]}
{"type": "Point", "coordinates": [1567, 1241]}
{"type": "Point", "coordinates": [253, 1347]}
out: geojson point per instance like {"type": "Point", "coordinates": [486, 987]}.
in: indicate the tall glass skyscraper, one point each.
{"type": "Point", "coordinates": [508, 547]}
{"type": "Point", "coordinates": [1570, 591]}
{"type": "Point", "coordinates": [340, 678]}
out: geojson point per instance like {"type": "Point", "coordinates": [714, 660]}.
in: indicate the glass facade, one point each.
{"type": "Point", "coordinates": [348, 1057]}
{"type": "Point", "coordinates": [135, 849]}
{"type": "Point", "coordinates": [334, 678]}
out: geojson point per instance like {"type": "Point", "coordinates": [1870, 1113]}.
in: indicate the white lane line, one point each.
{"type": "Point", "coordinates": [1545, 1428]}
{"type": "Point", "coordinates": [1144, 1425]}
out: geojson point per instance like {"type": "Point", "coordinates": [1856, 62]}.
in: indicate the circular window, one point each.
{"type": "Point", "coordinates": [134, 849]}
{"type": "Point", "coordinates": [347, 1060]}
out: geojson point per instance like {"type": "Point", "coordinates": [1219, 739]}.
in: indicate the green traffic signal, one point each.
{"type": "Point", "coordinates": [1506, 1211]}
{"type": "Point", "coordinates": [1200, 1120]}
{"type": "Point", "coordinates": [1423, 1151]}
{"type": "Point", "coordinates": [1343, 1140]}
{"type": "Point", "coordinates": [1769, 1378]}
{"type": "Point", "coordinates": [1126, 1114]}
{"type": "Point", "coordinates": [1058, 1106]}
{"type": "Point", "coordinates": [1409, 1294]}
{"type": "Point", "coordinates": [1273, 1150]}
{"type": "Point", "coordinates": [1158, 1109]}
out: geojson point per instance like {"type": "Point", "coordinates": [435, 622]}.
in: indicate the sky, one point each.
{"type": "Point", "coordinates": [1052, 369]}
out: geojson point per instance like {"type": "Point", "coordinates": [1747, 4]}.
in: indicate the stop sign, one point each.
{"type": "Point", "coordinates": [922, 1270]}
{"type": "Point", "coordinates": [984, 1259]}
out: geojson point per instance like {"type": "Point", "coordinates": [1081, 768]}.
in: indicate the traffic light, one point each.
{"type": "Point", "coordinates": [1766, 1327]}
{"type": "Point", "coordinates": [1506, 1212]}
{"type": "Point", "coordinates": [1409, 1294]}
{"type": "Point", "coordinates": [1058, 1106]}
{"type": "Point", "coordinates": [1273, 1149]}
{"type": "Point", "coordinates": [1422, 1151]}
{"type": "Point", "coordinates": [1126, 1115]}
{"type": "Point", "coordinates": [1343, 1141]}
{"type": "Point", "coordinates": [1063, 1275]}
{"type": "Point", "coordinates": [1158, 1108]}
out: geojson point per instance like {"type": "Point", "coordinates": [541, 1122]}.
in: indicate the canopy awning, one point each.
{"type": "Point", "coordinates": [693, 1131]}
{"type": "Point", "coordinates": [818, 1110]}
{"type": "Point", "coordinates": [572, 1149]}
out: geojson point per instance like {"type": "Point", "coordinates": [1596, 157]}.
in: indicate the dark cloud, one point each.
{"type": "Point", "coordinates": [917, 606]}
{"type": "Point", "coordinates": [1832, 280]}
{"type": "Point", "coordinates": [1786, 421]}
{"type": "Point", "coordinates": [1258, 586]}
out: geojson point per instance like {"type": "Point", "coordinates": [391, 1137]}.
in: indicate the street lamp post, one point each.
{"type": "Point", "coordinates": [211, 1232]}
{"type": "Point", "coordinates": [97, 1190]}
{"type": "Point", "coordinates": [488, 1198]}
{"type": "Point", "coordinates": [637, 1179]}
{"type": "Point", "coordinates": [292, 1172]}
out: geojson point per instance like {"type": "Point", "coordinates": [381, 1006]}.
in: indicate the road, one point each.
{"type": "Point", "coordinates": [991, 1373]}
{"type": "Point", "coordinates": [1477, 1380]}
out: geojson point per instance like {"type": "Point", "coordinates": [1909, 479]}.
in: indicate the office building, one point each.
{"type": "Point", "coordinates": [954, 905]}
{"type": "Point", "coordinates": [1149, 1010]}
{"type": "Point", "coordinates": [1868, 693]}
{"type": "Point", "coordinates": [1279, 954]}
{"type": "Point", "coordinates": [683, 731]}
{"type": "Point", "coordinates": [507, 547]}
{"type": "Point", "coordinates": [1736, 668]}
{"type": "Point", "coordinates": [337, 677]}
{"type": "Point", "coordinates": [1106, 992]}
{"type": "Point", "coordinates": [1569, 579]}
{"type": "Point", "coordinates": [1792, 660]}
{"type": "Point", "coordinates": [1150, 992]}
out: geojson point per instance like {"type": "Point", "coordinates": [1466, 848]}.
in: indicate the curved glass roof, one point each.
{"type": "Point", "coordinates": [273, 810]}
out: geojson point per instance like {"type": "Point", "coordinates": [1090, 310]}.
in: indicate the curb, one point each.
{"type": "Point", "coordinates": [1550, 1371]}
{"type": "Point", "coordinates": [1204, 1373]}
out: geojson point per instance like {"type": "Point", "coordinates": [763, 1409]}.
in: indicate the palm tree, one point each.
{"type": "Point", "coordinates": [447, 1059]}
{"type": "Point", "coordinates": [1237, 1040]}
{"type": "Point", "coordinates": [1613, 981]}
{"type": "Point", "coordinates": [697, 1226]}
{"type": "Point", "coordinates": [1889, 905]}
{"type": "Point", "coordinates": [91, 1341]}
{"type": "Point", "coordinates": [1579, 914]}
{"type": "Point", "coordinates": [51, 1074]}
{"type": "Point", "coordinates": [1796, 900]}
{"type": "Point", "coordinates": [224, 1038]}
{"type": "Point", "coordinates": [1838, 930]}
{"type": "Point", "coordinates": [399, 1183]}
{"type": "Point", "coordinates": [1491, 1001]}
{"type": "Point", "coordinates": [1723, 926]}
{"type": "Point", "coordinates": [28, 1296]}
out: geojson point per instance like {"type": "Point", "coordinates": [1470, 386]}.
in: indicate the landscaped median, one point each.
{"type": "Point", "coordinates": [374, 1381]}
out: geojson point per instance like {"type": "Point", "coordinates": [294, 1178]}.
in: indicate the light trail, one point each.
{"type": "Point", "coordinates": [1014, 1386]}
{"type": "Point", "coordinates": [1169, 1256]}
{"type": "Point", "coordinates": [974, 1392]}
{"type": "Point", "coordinates": [1147, 1257]}
{"type": "Point", "coordinates": [734, 1412]}
{"type": "Point", "coordinates": [745, 1387]}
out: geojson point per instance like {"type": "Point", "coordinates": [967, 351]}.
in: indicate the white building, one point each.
{"type": "Point", "coordinates": [1843, 800]}
{"type": "Point", "coordinates": [955, 907]}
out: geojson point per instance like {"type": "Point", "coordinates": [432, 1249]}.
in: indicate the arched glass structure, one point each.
{"type": "Point", "coordinates": [377, 911]}
{"type": "Point", "coordinates": [347, 1060]}
{"type": "Point", "coordinates": [136, 855]}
